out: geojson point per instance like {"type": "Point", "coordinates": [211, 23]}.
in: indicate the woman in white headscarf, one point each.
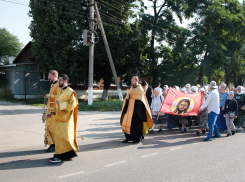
{"type": "Point", "coordinates": [240, 98]}
{"type": "Point", "coordinates": [203, 116]}
{"type": "Point", "coordinates": [157, 116]}
{"type": "Point", "coordinates": [165, 90]}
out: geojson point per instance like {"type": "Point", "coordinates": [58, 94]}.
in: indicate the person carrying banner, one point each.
{"type": "Point", "coordinates": [136, 115]}
{"type": "Point", "coordinates": [183, 120]}
{"type": "Point", "coordinates": [53, 77]}
{"type": "Point", "coordinates": [203, 116]}
{"type": "Point", "coordinates": [157, 116]}
{"type": "Point", "coordinates": [65, 111]}
{"type": "Point", "coordinates": [213, 104]}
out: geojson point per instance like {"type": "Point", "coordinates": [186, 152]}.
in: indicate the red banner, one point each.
{"type": "Point", "coordinates": [179, 103]}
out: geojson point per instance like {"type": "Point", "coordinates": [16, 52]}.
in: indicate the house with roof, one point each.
{"type": "Point", "coordinates": [23, 77]}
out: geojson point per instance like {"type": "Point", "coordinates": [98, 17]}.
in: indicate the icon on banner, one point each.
{"type": "Point", "coordinates": [182, 105]}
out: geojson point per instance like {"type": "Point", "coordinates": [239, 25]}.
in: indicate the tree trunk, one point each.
{"type": "Point", "coordinates": [200, 75]}
{"type": "Point", "coordinates": [234, 77]}
{"type": "Point", "coordinates": [105, 94]}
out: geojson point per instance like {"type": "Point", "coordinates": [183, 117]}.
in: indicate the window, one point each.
{"type": "Point", "coordinates": [43, 76]}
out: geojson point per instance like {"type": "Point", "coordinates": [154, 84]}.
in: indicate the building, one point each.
{"type": "Point", "coordinates": [22, 77]}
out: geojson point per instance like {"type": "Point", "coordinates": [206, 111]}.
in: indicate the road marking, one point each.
{"type": "Point", "coordinates": [113, 164]}
{"type": "Point", "coordinates": [149, 155]}
{"type": "Point", "coordinates": [176, 148]}
{"type": "Point", "coordinates": [195, 143]}
{"type": "Point", "coordinates": [71, 174]}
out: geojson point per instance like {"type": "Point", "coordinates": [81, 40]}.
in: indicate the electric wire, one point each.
{"type": "Point", "coordinates": [102, 15]}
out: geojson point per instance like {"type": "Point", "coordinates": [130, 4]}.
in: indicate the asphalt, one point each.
{"type": "Point", "coordinates": [165, 156]}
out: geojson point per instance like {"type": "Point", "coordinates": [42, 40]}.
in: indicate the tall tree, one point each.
{"type": "Point", "coordinates": [9, 44]}
{"type": "Point", "coordinates": [56, 29]}
{"type": "Point", "coordinates": [162, 26]}
{"type": "Point", "coordinates": [217, 33]}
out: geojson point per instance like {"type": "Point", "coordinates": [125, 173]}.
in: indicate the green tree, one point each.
{"type": "Point", "coordinates": [162, 27]}
{"type": "Point", "coordinates": [217, 33]}
{"type": "Point", "coordinates": [56, 29]}
{"type": "Point", "coordinates": [9, 44]}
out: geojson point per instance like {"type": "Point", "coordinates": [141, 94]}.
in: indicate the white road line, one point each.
{"type": "Point", "coordinates": [149, 155]}
{"type": "Point", "coordinates": [71, 174]}
{"type": "Point", "coordinates": [195, 143]}
{"type": "Point", "coordinates": [176, 148]}
{"type": "Point", "coordinates": [113, 164]}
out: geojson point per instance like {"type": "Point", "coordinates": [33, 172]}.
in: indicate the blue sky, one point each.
{"type": "Point", "coordinates": [15, 19]}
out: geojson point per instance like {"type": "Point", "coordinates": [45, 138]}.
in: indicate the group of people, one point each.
{"type": "Point", "coordinates": [221, 110]}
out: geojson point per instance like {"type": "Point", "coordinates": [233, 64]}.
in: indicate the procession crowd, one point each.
{"type": "Point", "coordinates": [225, 109]}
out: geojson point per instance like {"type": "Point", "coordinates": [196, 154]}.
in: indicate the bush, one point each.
{"type": "Point", "coordinates": [5, 93]}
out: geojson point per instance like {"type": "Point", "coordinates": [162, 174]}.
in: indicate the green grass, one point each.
{"type": "Point", "coordinates": [110, 105]}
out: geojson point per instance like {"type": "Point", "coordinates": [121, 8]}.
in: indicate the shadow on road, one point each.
{"type": "Point", "coordinates": [29, 163]}
{"type": "Point", "coordinates": [21, 153]}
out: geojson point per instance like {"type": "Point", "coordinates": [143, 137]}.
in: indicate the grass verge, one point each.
{"type": "Point", "coordinates": [111, 105]}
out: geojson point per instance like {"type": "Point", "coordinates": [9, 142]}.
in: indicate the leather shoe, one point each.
{"type": "Point", "coordinates": [125, 141]}
{"type": "Point", "coordinates": [51, 148]}
{"type": "Point", "coordinates": [207, 140]}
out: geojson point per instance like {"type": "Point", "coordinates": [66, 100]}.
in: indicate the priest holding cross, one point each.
{"type": "Point", "coordinates": [136, 115]}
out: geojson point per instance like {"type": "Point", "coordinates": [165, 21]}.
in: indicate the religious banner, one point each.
{"type": "Point", "coordinates": [179, 103]}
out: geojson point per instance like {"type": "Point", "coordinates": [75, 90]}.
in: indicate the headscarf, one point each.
{"type": "Point", "coordinates": [166, 87]}
{"type": "Point", "coordinates": [183, 90]}
{"type": "Point", "coordinates": [194, 89]}
{"type": "Point", "coordinates": [239, 93]}
{"type": "Point", "coordinates": [158, 90]}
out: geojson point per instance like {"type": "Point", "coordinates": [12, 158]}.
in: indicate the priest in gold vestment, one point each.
{"type": "Point", "coordinates": [65, 111]}
{"type": "Point", "coordinates": [49, 128]}
{"type": "Point", "coordinates": [136, 115]}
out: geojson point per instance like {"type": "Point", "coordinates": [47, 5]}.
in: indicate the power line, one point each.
{"type": "Point", "coordinates": [104, 16]}
{"type": "Point", "coordinates": [39, 6]}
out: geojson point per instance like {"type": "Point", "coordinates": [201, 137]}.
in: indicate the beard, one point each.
{"type": "Point", "coordinates": [61, 85]}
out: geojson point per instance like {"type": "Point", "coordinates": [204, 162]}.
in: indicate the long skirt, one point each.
{"type": "Point", "coordinates": [161, 119]}
{"type": "Point", "coordinates": [221, 122]}
{"type": "Point", "coordinates": [240, 119]}
{"type": "Point", "coordinates": [203, 119]}
{"type": "Point", "coordinates": [183, 120]}
{"type": "Point", "coordinates": [172, 121]}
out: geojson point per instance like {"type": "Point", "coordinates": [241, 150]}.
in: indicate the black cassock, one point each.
{"type": "Point", "coordinates": [139, 116]}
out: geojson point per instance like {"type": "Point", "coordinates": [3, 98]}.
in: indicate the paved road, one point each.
{"type": "Point", "coordinates": [166, 156]}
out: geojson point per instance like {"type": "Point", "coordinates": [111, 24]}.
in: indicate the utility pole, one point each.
{"type": "Point", "coordinates": [91, 55]}
{"type": "Point", "coordinates": [108, 52]}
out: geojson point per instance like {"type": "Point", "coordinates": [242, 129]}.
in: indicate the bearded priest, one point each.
{"type": "Point", "coordinates": [65, 111]}
{"type": "Point", "coordinates": [49, 128]}
{"type": "Point", "coordinates": [136, 115]}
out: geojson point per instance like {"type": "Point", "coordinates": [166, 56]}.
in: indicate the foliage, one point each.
{"type": "Point", "coordinates": [57, 29]}
{"type": "Point", "coordinates": [217, 33]}
{"type": "Point", "coordinates": [9, 44]}
{"type": "Point", "coordinates": [5, 93]}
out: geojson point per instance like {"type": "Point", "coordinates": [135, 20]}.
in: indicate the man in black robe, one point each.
{"type": "Point", "coordinates": [135, 113]}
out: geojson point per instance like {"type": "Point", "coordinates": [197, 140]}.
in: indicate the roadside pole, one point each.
{"type": "Point", "coordinates": [108, 52]}
{"type": "Point", "coordinates": [91, 55]}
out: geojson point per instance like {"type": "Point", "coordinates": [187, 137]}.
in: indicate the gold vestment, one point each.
{"type": "Point", "coordinates": [126, 119]}
{"type": "Point", "coordinates": [50, 104]}
{"type": "Point", "coordinates": [66, 121]}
